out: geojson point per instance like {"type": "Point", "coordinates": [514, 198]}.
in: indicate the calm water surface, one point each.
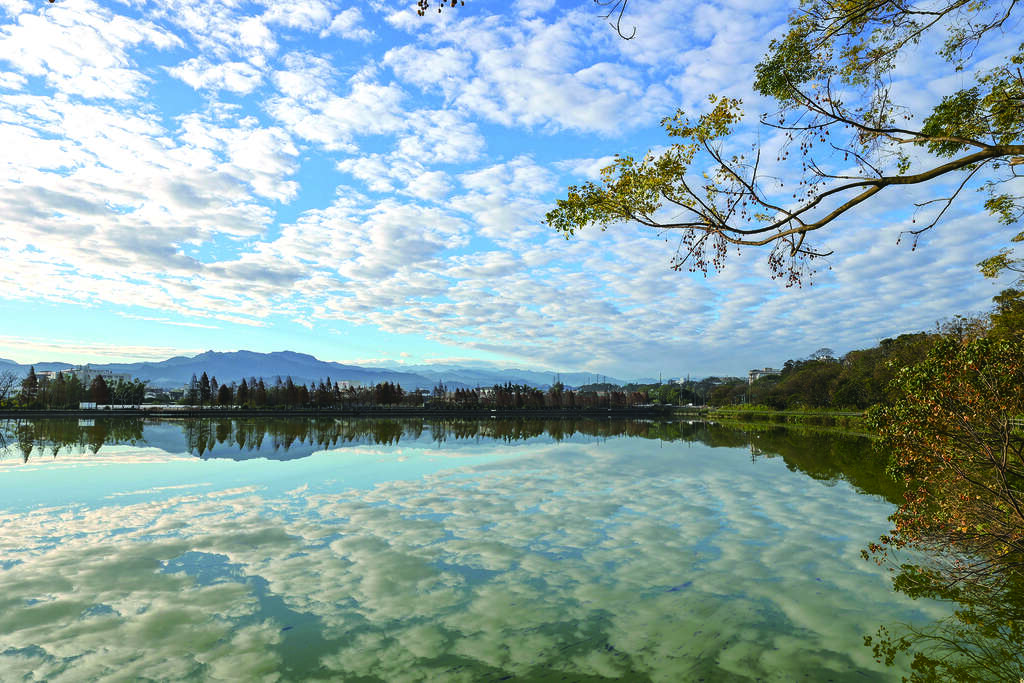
{"type": "Point", "coordinates": [357, 550]}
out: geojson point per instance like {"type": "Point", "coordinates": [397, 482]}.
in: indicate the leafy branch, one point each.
{"type": "Point", "coordinates": [834, 50]}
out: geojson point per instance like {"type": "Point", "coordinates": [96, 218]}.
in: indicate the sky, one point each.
{"type": "Point", "coordinates": [368, 186]}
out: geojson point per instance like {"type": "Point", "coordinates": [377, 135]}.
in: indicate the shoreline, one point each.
{"type": "Point", "coordinates": [847, 420]}
{"type": "Point", "coordinates": [365, 411]}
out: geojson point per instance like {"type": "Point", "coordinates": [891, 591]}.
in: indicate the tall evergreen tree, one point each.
{"type": "Point", "coordinates": [30, 386]}
{"type": "Point", "coordinates": [259, 393]}
{"type": "Point", "coordinates": [99, 392]}
{"type": "Point", "coordinates": [204, 389]}
{"type": "Point", "coordinates": [76, 392]}
{"type": "Point", "coordinates": [59, 392]}
{"type": "Point", "coordinates": [192, 393]}
{"type": "Point", "coordinates": [242, 395]}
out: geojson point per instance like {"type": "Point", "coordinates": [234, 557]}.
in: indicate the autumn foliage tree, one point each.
{"type": "Point", "coordinates": [849, 137]}
{"type": "Point", "coordinates": [956, 439]}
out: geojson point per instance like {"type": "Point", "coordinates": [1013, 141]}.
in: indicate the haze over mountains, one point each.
{"type": "Point", "coordinates": [302, 368]}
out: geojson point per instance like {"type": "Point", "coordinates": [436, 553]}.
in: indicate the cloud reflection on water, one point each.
{"type": "Point", "coordinates": [601, 560]}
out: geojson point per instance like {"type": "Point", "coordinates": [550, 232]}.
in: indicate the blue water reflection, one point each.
{"type": "Point", "coordinates": [581, 557]}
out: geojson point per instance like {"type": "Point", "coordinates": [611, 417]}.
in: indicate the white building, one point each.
{"type": "Point", "coordinates": [86, 374]}
{"type": "Point", "coordinates": [755, 375]}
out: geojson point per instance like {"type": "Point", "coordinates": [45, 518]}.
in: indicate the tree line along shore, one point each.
{"type": "Point", "coordinates": [822, 381]}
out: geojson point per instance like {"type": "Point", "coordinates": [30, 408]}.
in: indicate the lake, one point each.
{"type": "Point", "coordinates": [462, 550]}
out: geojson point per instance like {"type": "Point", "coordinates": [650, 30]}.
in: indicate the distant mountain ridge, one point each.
{"type": "Point", "coordinates": [232, 366]}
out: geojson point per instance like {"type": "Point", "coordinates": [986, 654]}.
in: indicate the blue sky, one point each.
{"type": "Point", "coordinates": [368, 186]}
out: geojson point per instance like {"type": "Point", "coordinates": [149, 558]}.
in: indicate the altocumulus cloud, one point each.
{"type": "Point", "coordinates": [244, 165]}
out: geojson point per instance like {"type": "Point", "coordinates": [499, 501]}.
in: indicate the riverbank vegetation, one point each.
{"type": "Point", "coordinates": [824, 456]}
{"type": "Point", "coordinates": [952, 424]}
{"type": "Point", "coordinates": [954, 432]}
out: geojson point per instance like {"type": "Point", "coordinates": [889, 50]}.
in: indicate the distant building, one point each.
{"type": "Point", "coordinates": [349, 384]}
{"type": "Point", "coordinates": [755, 375]}
{"type": "Point", "coordinates": [85, 374]}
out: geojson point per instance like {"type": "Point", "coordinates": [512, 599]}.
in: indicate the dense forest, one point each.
{"type": "Point", "coordinates": [864, 377]}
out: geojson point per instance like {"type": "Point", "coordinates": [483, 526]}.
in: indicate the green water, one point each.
{"type": "Point", "coordinates": [462, 551]}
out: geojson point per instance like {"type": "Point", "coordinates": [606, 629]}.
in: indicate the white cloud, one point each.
{"type": "Point", "coordinates": [81, 48]}
{"type": "Point", "coordinates": [446, 68]}
{"type": "Point", "coordinates": [221, 30]}
{"type": "Point", "coordinates": [402, 183]}
{"type": "Point", "coordinates": [167, 321]}
{"type": "Point", "coordinates": [12, 81]}
{"type": "Point", "coordinates": [305, 15]}
{"type": "Point", "coordinates": [238, 77]}
{"type": "Point", "coordinates": [15, 347]}
{"type": "Point", "coordinates": [310, 108]}
{"type": "Point", "coordinates": [440, 137]}
{"type": "Point", "coordinates": [585, 169]}
{"type": "Point", "coordinates": [347, 25]}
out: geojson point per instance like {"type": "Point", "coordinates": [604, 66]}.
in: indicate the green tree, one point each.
{"type": "Point", "coordinates": [554, 396]}
{"type": "Point", "coordinates": [979, 642]}
{"type": "Point", "coordinates": [127, 392]}
{"type": "Point", "coordinates": [204, 389]}
{"type": "Point", "coordinates": [76, 393]}
{"type": "Point", "coordinates": [259, 392]}
{"type": "Point", "coordinates": [58, 392]}
{"type": "Point", "coordinates": [192, 392]}
{"type": "Point", "coordinates": [30, 386]}
{"type": "Point", "coordinates": [99, 392]}
{"type": "Point", "coordinates": [1008, 315]}
{"type": "Point", "coordinates": [138, 390]}
{"type": "Point", "coordinates": [242, 395]}
{"type": "Point", "coordinates": [830, 75]}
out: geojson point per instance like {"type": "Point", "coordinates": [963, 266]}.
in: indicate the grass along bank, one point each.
{"type": "Point", "coordinates": [845, 420]}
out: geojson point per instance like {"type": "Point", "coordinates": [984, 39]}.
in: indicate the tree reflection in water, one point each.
{"type": "Point", "coordinates": [250, 434]}
{"type": "Point", "coordinates": [825, 457]}
{"type": "Point", "coordinates": [38, 438]}
{"type": "Point", "coordinates": [983, 640]}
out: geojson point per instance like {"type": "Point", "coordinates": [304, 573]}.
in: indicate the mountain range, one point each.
{"type": "Point", "coordinates": [303, 368]}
